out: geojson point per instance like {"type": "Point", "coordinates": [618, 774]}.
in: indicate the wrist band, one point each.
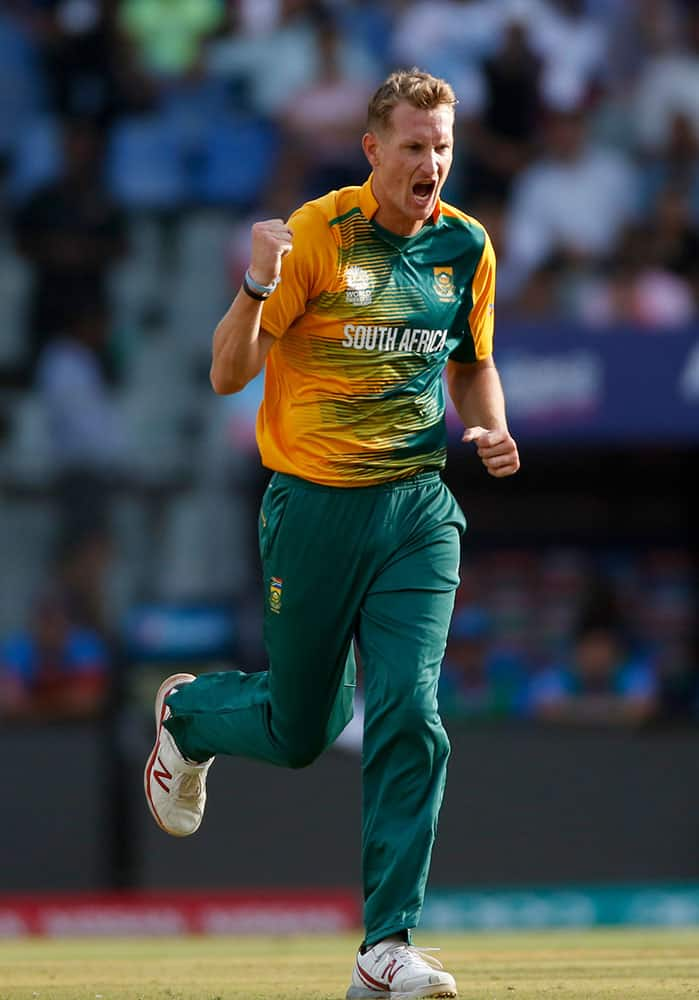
{"type": "Point", "coordinates": [263, 291]}
{"type": "Point", "coordinates": [249, 291]}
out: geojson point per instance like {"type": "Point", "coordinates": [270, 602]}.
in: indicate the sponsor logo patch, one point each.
{"type": "Point", "coordinates": [444, 283]}
{"type": "Point", "coordinates": [358, 282]}
{"type": "Point", "coordinates": [275, 594]}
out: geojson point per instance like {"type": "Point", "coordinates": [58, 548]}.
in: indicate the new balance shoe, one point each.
{"type": "Point", "coordinates": [175, 787]}
{"type": "Point", "coordinates": [400, 971]}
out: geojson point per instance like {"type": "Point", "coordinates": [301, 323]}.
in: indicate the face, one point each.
{"type": "Point", "coordinates": [411, 160]}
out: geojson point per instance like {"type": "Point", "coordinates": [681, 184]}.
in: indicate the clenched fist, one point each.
{"type": "Point", "coordinates": [497, 450]}
{"type": "Point", "coordinates": [270, 241]}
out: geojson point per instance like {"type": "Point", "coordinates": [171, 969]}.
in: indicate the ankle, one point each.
{"type": "Point", "coordinates": [400, 937]}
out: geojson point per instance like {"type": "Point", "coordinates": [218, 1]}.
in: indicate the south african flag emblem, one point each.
{"type": "Point", "coordinates": [275, 594]}
{"type": "Point", "coordinates": [444, 282]}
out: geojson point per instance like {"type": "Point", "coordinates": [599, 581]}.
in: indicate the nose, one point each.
{"type": "Point", "coordinates": [430, 163]}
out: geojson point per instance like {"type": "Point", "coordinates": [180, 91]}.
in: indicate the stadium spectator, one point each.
{"type": "Point", "coordinates": [321, 124]}
{"type": "Point", "coordinates": [168, 35]}
{"type": "Point", "coordinates": [76, 394]}
{"type": "Point", "coordinates": [298, 60]}
{"type": "Point", "coordinates": [675, 167]}
{"type": "Point", "coordinates": [675, 238]}
{"type": "Point", "coordinates": [87, 438]}
{"type": "Point", "coordinates": [574, 201]}
{"type": "Point", "coordinates": [503, 137]}
{"type": "Point", "coordinates": [639, 32]}
{"type": "Point", "coordinates": [669, 86]}
{"type": "Point", "coordinates": [603, 682]}
{"type": "Point", "coordinates": [572, 45]}
{"type": "Point", "coordinates": [71, 233]}
{"type": "Point", "coordinates": [450, 38]}
{"type": "Point", "coordinates": [84, 63]}
{"type": "Point", "coordinates": [638, 288]}
{"type": "Point", "coordinates": [53, 670]}
{"type": "Point", "coordinates": [368, 25]}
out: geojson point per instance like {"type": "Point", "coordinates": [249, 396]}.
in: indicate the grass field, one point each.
{"type": "Point", "coordinates": [569, 965]}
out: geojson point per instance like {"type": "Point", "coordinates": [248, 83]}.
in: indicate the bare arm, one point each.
{"type": "Point", "coordinates": [476, 392]}
{"type": "Point", "coordinates": [240, 346]}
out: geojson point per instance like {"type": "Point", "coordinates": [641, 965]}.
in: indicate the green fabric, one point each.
{"type": "Point", "coordinates": [379, 563]}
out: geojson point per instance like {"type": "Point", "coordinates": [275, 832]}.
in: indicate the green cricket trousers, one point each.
{"type": "Point", "coordinates": [375, 563]}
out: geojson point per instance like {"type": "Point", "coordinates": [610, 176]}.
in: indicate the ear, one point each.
{"type": "Point", "coordinates": [370, 145]}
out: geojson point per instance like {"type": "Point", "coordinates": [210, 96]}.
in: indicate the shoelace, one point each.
{"type": "Point", "coordinates": [421, 954]}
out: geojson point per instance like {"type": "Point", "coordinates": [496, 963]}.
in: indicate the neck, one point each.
{"type": "Point", "coordinates": [398, 225]}
{"type": "Point", "coordinates": [392, 220]}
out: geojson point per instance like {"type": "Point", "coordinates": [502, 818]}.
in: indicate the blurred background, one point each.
{"type": "Point", "coordinates": [139, 139]}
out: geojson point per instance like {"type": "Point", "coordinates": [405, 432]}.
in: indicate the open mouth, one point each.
{"type": "Point", "coordinates": [423, 191]}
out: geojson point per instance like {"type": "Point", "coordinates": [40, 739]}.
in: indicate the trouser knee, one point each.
{"type": "Point", "coordinates": [421, 726]}
{"type": "Point", "coordinates": [300, 752]}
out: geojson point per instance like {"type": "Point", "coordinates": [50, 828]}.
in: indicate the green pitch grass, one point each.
{"type": "Point", "coordinates": [567, 965]}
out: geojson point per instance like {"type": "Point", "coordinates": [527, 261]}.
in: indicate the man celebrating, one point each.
{"type": "Point", "coordinates": [354, 308]}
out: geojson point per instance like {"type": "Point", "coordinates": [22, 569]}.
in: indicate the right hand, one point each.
{"type": "Point", "coordinates": [270, 241]}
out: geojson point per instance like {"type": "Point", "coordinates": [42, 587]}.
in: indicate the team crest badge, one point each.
{"type": "Point", "coordinates": [444, 283]}
{"type": "Point", "coordinates": [275, 594]}
{"type": "Point", "coordinates": [358, 282]}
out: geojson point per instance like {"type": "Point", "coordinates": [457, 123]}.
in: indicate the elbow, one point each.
{"type": "Point", "coordinates": [225, 384]}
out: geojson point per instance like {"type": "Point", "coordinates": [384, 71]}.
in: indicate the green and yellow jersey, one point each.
{"type": "Point", "coordinates": [365, 322]}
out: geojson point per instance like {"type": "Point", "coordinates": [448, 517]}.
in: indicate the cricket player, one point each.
{"type": "Point", "coordinates": [355, 307]}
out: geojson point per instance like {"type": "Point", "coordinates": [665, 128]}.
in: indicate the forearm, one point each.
{"type": "Point", "coordinates": [238, 346]}
{"type": "Point", "coordinates": [476, 392]}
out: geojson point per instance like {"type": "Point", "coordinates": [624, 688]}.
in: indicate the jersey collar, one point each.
{"type": "Point", "coordinates": [369, 205]}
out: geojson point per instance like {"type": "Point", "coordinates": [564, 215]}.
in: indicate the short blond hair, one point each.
{"type": "Point", "coordinates": [413, 86]}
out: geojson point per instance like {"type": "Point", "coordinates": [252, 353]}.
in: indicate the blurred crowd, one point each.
{"type": "Point", "coordinates": [577, 133]}
{"type": "Point", "coordinates": [589, 639]}
{"type": "Point", "coordinates": [140, 138]}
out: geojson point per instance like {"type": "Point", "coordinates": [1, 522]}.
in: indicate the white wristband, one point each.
{"type": "Point", "coordinates": [264, 290]}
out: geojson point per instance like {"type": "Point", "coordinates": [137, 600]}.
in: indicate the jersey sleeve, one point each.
{"type": "Point", "coordinates": [306, 269]}
{"type": "Point", "coordinates": [481, 320]}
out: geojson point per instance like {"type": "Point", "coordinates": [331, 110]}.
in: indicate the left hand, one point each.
{"type": "Point", "coordinates": [497, 450]}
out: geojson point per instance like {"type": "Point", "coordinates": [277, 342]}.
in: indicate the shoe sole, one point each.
{"type": "Point", "coordinates": [361, 993]}
{"type": "Point", "coordinates": [160, 707]}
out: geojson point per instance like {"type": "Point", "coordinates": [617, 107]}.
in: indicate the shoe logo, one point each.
{"type": "Point", "coordinates": [369, 981]}
{"type": "Point", "coordinates": [161, 776]}
{"type": "Point", "coordinates": [391, 970]}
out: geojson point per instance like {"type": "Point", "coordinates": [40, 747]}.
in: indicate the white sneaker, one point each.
{"type": "Point", "coordinates": [398, 970]}
{"type": "Point", "coordinates": [175, 787]}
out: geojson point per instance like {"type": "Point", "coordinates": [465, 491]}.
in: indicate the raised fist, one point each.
{"type": "Point", "coordinates": [270, 241]}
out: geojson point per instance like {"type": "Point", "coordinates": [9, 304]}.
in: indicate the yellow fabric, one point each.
{"type": "Point", "coordinates": [310, 423]}
{"type": "Point", "coordinates": [482, 316]}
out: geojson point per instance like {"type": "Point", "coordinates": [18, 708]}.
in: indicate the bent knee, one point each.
{"type": "Point", "coordinates": [299, 757]}
{"type": "Point", "coordinates": [424, 725]}
{"type": "Point", "coordinates": [298, 753]}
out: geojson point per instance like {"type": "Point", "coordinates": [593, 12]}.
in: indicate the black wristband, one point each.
{"type": "Point", "coordinates": [251, 292]}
